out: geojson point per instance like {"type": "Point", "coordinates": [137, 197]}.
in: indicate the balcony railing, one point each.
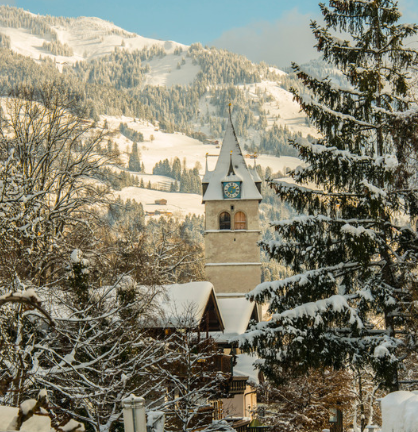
{"type": "Point", "coordinates": [237, 385]}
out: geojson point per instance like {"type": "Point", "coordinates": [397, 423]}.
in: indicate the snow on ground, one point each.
{"type": "Point", "coordinates": [89, 38]}
{"type": "Point", "coordinates": [277, 71]}
{"type": "Point", "coordinates": [400, 411]}
{"type": "Point", "coordinates": [25, 43]}
{"type": "Point", "coordinates": [179, 204]}
{"type": "Point", "coordinates": [164, 71]}
{"type": "Point", "coordinates": [168, 146]}
{"type": "Point", "coordinates": [283, 110]}
{"type": "Point", "coordinates": [282, 163]}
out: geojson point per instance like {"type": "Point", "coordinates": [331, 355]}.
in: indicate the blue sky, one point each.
{"type": "Point", "coordinates": [276, 31]}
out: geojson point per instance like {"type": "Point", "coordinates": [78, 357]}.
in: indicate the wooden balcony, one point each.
{"type": "Point", "coordinates": [237, 385]}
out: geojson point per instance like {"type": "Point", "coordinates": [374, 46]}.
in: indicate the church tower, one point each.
{"type": "Point", "coordinates": [231, 194]}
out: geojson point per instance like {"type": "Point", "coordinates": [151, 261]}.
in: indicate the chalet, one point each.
{"type": "Point", "coordinates": [237, 313]}
{"type": "Point", "coordinates": [218, 317]}
{"type": "Point", "coordinates": [191, 305]}
{"type": "Point", "coordinates": [161, 201]}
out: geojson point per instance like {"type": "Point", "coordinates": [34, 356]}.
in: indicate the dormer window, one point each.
{"type": "Point", "coordinates": [225, 221]}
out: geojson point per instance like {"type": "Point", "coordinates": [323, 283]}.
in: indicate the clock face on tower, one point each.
{"type": "Point", "coordinates": [232, 190]}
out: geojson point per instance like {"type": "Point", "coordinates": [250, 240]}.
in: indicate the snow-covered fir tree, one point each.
{"type": "Point", "coordinates": [352, 251]}
{"type": "Point", "coordinates": [134, 158]}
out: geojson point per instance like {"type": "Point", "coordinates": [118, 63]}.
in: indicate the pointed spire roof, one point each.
{"type": "Point", "coordinates": [230, 166]}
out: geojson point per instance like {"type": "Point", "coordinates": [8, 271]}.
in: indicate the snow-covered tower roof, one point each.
{"type": "Point", "coordinates": [231, 166]}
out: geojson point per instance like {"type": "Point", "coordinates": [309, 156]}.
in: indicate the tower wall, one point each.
{"type": "Point", "coordinates": [232, 246]}
{"type": "Point", "coordinates": [234, 278]}
{"type": "Point", "coordinates": [232, 256]}
{"type": "Point", "coordinates": [214, 208]}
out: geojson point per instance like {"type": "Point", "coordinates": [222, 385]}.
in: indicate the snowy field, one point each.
{"type": "Point", "coordinates": [179, 204]}
{"type": "Point", "coordinates": [168, 146]}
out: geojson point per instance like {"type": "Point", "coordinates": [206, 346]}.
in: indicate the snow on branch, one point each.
{"type": "Point", "coordinates": [267, 289]}
{"type": "Point", "coordinates": [27, 297]}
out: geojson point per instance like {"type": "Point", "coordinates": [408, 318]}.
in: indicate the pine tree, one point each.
{"type": "Point", "coordinates": [352, 254]}
{"type": "Point", "coordinates": [134, 158]}
{"type": "Point", "coordinates": [176, 170]}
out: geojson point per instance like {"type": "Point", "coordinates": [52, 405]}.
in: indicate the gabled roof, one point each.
{"type": "Point", "coordinates": [188, 305]}
{"type": "Point", "coordinates": [230, 151]}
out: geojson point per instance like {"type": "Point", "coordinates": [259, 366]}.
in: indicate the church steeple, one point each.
{"type": "Point", "coordinates": [231, 193]}
{"type": "Point", "coordinates": [230, 168]}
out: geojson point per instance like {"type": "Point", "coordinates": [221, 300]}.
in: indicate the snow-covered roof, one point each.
{"type": "Point", "coordinates": [255, 176]}
{"type": "Point", "coordinates": [236, 313]}
{"type": "Point", "coordinates": [184, 305]}
{"type": "Point", "coordinates": [399, 411]}
{"type": "Point", "coordinates": [230, 151]}
{"type": "Point", "coordinates": [245, 367]}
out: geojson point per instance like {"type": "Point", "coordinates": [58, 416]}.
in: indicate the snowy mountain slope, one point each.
{"type": "Point", "coordinates": [169, 66]}
{"type": "Point", "coordinates": [88, 37]}
{"type": "Point", "coordinates": [281, 110]}
{"type": "Point", "coordinates": [165, 71]}
{"type": "Point", "coordinates": [168, 146]}
{"type": "Point", "coordinates": [171, 145]}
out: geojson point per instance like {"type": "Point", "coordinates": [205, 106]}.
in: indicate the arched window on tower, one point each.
{"type": "Point", "coordinates": [224, 221]}
{"type": "Point", "coordinates": [239, 221]}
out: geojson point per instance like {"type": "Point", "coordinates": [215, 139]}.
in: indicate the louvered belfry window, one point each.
{"type": "Point", "coordinates": [225, 221]}
{"type": "Point", "coordinates": [239, 221]}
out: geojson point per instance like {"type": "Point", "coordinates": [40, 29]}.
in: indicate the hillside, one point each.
{"type": "Point", "coordinates": [177, 94]}
{"type": "Point", "coordinates": [191, 153]}
{"type": "Point", "coordinates": [182, 88]}
{"type": "Point", "coordinates": [165, 107]}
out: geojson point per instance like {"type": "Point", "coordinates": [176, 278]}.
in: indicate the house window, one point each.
{"type": "Point", "coordinates": [225, 221]}
{"type": "Point", "coordinates": [239, 221]}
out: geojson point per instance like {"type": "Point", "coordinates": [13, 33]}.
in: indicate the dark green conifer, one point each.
{"type": "Point", "coordinates": [134, 159]}
{"type": "Point", "coordinates": [352, 251]}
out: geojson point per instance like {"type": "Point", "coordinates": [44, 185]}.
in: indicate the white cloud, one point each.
{"type": "Point", "coordinates": [279, 43]}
